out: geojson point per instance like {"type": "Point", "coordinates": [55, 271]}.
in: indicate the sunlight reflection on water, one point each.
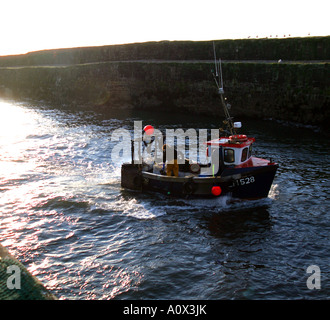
{"type": "Point", "coordinates": [65, 216]}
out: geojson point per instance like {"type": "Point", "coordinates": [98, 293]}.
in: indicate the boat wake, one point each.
{"type": "Point", "coordinates": [274, 192]}
{"type": "Point", "coordinates": [143, 210]}
{"type": "Point", "coordinates": [152, 205]}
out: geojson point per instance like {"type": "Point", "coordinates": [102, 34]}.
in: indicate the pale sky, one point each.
{"type": "Point", "coordinates": [30, 25]}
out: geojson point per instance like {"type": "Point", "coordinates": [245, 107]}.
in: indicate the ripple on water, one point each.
{"type": "Point", "coordinates": [65, 216]}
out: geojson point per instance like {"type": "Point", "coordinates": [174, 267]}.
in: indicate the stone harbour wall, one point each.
{"type": "Point", "coordinates": [296, 91]}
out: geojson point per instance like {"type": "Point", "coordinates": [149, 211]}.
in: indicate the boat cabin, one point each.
{"type": "Point", "coordinates": [234, 151]}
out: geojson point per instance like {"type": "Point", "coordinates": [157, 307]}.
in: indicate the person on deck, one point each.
{"type": "Point", "coordinates": [170, 156]}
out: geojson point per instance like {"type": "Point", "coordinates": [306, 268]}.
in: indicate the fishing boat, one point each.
{"type": "Point", "coordinates": [238, 174]}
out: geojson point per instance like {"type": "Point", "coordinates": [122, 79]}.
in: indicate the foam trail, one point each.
{"type": "Point", "coordinates": [143, 210]}
{"type": "Point", "coordinates": [274, 192]}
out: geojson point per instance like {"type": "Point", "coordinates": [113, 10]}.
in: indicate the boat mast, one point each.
{"type": "Point", "coordinates": [219, 83]}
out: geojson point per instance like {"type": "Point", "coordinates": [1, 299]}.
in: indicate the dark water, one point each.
{"type": "Point", "coordinates": [64, 215]}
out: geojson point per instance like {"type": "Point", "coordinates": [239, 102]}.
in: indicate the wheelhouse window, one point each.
{"type": "Point", "coordinates": [244, 154]}
{"type": "Point", "coordinates": [250, 151]}
{"type": "Point", "coordinates": [229, 155]}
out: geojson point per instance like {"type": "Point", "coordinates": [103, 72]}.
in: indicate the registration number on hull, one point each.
{"type": "Point", "coordinates": [243, 181]}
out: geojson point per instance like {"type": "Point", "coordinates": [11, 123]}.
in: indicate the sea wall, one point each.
{"type": "Point", "coordinates": [30, 288]}
{"type": "Point", "coordinates": [296, 91]}
{"type": "Point", "coordinates": [297, 49]}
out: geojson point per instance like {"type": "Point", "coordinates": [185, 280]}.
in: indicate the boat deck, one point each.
{"type": "Point", "coordinates": [254, 162]}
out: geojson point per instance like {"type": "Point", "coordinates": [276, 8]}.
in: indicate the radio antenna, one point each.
{"type": "Point", "coordinates": [219, 82]}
